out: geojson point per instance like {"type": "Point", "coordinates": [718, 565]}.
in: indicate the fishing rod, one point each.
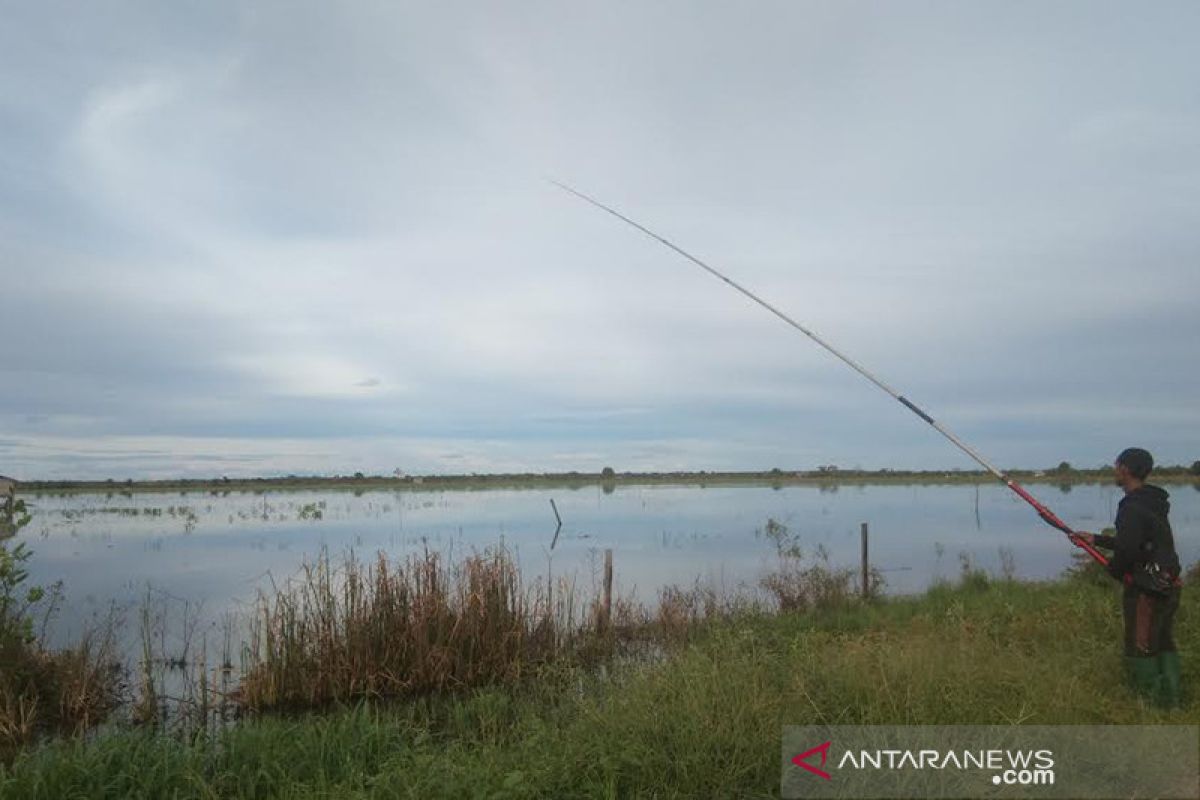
{"type": "Point", "coordinates": [1048, 516]}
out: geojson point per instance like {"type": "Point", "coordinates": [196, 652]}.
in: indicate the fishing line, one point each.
{"type": "Point", "coordinates": [1048, 516]}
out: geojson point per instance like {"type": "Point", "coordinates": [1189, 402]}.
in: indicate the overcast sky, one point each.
{"type": "Point", "coordinates": [271, 238]}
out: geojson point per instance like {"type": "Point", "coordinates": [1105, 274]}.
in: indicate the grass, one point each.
{"type": "Point", "coordinates": [353, 631]}
{"type": "Point", "coordinates": [702, 722]}
{"type": "Point", "coordinates": [63, 691]}
{"type": "Point", "coordinates": [350, 631]}
{"type": "Point", "coordinates": [42, 691]}
{"type": "Point", "coordinates": [389, 630]}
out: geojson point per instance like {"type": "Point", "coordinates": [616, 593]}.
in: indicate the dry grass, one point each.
{"type": "Point", "coordinates": [354, 630]}
{"type": "Point", "coordinates": [46, 691]}
{"type": "Point", "coordinates": [416, 627]}
{"type": "Point", "coordinates": [64, 691]}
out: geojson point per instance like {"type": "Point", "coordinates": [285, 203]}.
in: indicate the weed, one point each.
{"type": "Point", "coordinates": [44, 691]}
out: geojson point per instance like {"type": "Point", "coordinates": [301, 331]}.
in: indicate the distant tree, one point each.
{"type": "Point", "coordinates": [1195, 470]}
{"type": "Point", "coordinates": [1063, 466]}
{"type": "Point", "coordinates": [358, 476]}
{"type": "Point", "coordinates": [607, 473]}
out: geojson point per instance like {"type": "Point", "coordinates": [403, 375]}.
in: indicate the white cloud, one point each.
{"type": "Point", "coordinates": [342, 210]}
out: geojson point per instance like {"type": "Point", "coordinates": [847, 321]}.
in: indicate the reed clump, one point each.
{"type": "Point", "coordinates": [338, 633]}
{"type": "Point", "coordinates": [419, 626]}
{"type": "Point", "coordinates": [43, 690]}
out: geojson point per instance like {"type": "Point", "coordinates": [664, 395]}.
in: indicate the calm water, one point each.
{"type": "Point", "coordinates": [215, 551]}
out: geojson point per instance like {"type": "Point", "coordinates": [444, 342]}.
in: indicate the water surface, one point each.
{"type": "Point", "coordinates": [214, 551]}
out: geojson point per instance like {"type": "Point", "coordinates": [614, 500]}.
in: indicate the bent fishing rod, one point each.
{"type": "Point", "coordinates": [1048, 516]}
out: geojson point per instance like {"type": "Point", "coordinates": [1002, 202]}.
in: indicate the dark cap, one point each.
{"type": "Point", "coordinates": [1139, 462]}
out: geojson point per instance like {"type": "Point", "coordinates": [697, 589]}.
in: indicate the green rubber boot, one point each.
{"type": "Point", "coordinates": [1172, 679]}
{"type": "Point", "coordinates": [1145, 677]}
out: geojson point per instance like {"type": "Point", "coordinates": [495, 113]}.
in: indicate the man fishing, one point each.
{"type": "Point", "coordinates": [1144, 559]}
{"type": "Point", "coordinates": [1144, 548]}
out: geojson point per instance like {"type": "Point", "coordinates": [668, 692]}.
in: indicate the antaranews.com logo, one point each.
{"type": "Point", "coordinates": [1088, 762]}
{"type": "Point", "coordinates": [1008, 767]}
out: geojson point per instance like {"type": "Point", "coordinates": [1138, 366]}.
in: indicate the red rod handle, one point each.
{"type": "Point", "coordinates": [1050, 518]}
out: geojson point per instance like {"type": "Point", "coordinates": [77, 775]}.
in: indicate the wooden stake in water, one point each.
{"type": "Point", "coordinates": [558, 528]}
{"type": "Point", "coordinates": [866, 566]}
{"type": "Point", "coordinates": [608, 575]}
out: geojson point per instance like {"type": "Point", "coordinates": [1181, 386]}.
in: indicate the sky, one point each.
{"type": "Point", "coordinates": [308, 238]}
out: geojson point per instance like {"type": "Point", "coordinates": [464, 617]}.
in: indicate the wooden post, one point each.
{"type": "Point", "coordinates": [558, 529]}
{"type": "Point", "coordinates": [607, 586]}
{"type": "Point", "coordinates": [866, 566]}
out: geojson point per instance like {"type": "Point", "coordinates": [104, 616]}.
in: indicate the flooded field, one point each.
{"type": "Point", "coordinates": [210, 553]}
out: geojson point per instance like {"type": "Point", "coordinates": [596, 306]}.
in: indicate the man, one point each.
{"type": "Point", "coordinates": [1144, 559]}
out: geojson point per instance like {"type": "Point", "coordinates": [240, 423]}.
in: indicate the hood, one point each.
{"type": "Point", "coordinates": [1151, 498]}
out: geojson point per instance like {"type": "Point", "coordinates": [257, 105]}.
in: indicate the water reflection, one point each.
{"type": "Point", "coordinates": [219, 548]}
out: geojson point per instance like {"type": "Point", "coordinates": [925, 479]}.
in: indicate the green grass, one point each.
{"type": "Point", "coordinates": [705, 722]}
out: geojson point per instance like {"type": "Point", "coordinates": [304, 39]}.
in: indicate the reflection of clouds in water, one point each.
{"type": "Point", "coordinates": [103, 551]}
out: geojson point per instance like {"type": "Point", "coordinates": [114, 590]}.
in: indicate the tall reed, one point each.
{"type": "Point", "coordinates": [394, 629]}
{"type": "Point", "coordinates": [45, 690]}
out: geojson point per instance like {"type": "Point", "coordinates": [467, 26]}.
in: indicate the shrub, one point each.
{"type": "Point", "coordinates": [41, 691]}
{"type": "Point", "coordinates": [800, 586]}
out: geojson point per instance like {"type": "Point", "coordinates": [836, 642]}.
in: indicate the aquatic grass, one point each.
{"type": "Point", "coordinates": [340, 632]}
{"type": "Point", "coordinates": [798, 583]}
{"type": "Point", "coordinates": [44, 690]}
{"type": "Point", "coordinates": [704, 721]}
{"type": "Point", "coordinates": [61, 691]}
{"type": "Point", "coordinates": [418, 626]}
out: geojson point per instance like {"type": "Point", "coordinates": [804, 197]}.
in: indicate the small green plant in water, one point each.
{"type": "Point", "coordinates": [16, 599]}
{"type": "Point", "coordinates": [312, 510]}
{"type": "Point", "coordinates": [797, 586]}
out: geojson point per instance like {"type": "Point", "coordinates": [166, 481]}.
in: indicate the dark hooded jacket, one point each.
{"type": "Point", "coordinates": [1143, 533]}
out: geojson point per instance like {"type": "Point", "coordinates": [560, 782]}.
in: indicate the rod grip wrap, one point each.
{"type": "Point", "coordinates": [914, 409]}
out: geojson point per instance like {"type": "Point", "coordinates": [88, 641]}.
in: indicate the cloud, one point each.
{"type": "Point", "coordinates": [280, 230]}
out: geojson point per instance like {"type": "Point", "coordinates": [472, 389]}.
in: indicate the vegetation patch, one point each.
{"type": "Point", "coordinates": [702, 721]}
{"type": "Point", "coordinates": [41, 690]}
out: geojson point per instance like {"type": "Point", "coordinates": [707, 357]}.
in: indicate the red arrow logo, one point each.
{"type": "Point", "coordinates": [823, 749]}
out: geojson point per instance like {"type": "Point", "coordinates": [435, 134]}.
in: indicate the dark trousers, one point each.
{"type": "Point", "coordinates": [1149, 622]}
